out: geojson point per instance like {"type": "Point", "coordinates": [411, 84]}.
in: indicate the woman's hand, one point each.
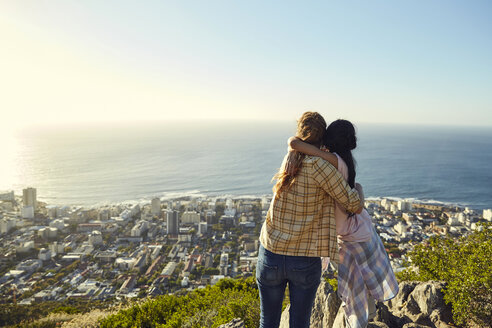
{"type": "Point", "coordinates": [293, 162]}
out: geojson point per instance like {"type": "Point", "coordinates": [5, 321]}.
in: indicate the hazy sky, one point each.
{"type": "Point", "coordinates": [369, 61]}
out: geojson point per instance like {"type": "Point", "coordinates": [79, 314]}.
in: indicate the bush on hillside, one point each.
{"type": "Point", "coordinates": [465, 265]}
{"type": "Point", "coordinates": [207, 307]}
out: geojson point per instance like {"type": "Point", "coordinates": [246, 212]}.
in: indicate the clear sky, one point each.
{"type": "Point", "coordinates": [368, 61]}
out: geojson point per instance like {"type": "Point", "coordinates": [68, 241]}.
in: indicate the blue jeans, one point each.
{"type": "Point", "coordinates": [273, 272]}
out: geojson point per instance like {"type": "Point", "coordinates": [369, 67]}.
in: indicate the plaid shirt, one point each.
{"type": "Point", "coordinates": [301, 219]}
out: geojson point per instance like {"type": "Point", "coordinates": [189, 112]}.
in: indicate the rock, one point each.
{"type": "Point", "coordinates": [384, 315]}
{"type": "Point", "coordinates": [377, 324]}
{"type": "Point", "coordinates": [284, 319]}
{"type": "Point", "coordinates": [428, 296]}
{"type": "Point", "coordinates": [325, 308]}
{"type": "Point", "coordinates": [417, 305]}
{"type": "Point", "coordinates": [441, 317]}
{"type": "Point", "coordinates": [235, 323]}
{"type": "Point", "coordinates": [405, 288]}
{"type": "Point", "coordinates": [340, 321]}
{"type": "Point", "coordinates": [420, 303]}
{"type": "Point", "coordinates": [414, 325]}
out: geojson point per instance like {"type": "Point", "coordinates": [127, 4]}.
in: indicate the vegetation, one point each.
{"type": "Point", "coordinates": [392, 248]}
{"type": "Point", "coordinates": [466, 267]}
{"type": "Point", "coordinates": [332, 281]}
{"type": "Point", "coordinates": [29, 315]}
{"type": "Point", "coordinates": [207, 307]}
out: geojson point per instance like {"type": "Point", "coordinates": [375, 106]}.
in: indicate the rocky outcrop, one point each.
{"type": "Point", "coordinates": [417, 305]}
{"type": "Point", "coordinates": [325, 308]}
{"type": "Point", "coordinates": [235, 323]}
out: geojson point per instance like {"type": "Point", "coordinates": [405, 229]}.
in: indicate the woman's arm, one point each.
{"type": "Point", "coordinates": [308, 149]}
{"type": "Point", "coordinates": [359, 189]}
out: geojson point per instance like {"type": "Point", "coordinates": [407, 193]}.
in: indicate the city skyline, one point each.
{"type": "Point", "coordinates": [419, 62]}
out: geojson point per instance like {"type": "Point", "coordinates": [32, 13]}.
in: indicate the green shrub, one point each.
{"type": "Point", "coordinates": [66, 309]}
{"type": "Point", "coordinates": [207, 307]}
{"type": "Point", "coordinates": [466, 267]}
{"type": "Point", "coordinates": [333, 282]}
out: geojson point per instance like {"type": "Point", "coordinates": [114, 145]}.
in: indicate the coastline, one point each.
{"type": "Point", "coordinates": [213, 197]}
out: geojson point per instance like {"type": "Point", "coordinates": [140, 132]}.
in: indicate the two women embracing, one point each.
{"type": "Point", "coordinates": [318, 212]}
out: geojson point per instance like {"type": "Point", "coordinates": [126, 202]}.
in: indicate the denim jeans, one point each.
{"type": "Point", "coordinates": [273, 273]}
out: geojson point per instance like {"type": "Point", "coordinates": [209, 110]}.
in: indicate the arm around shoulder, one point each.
{"type": "Point", "coordinates": [308, 149]}
{"type": "Point", "coordinates": [333, 183]}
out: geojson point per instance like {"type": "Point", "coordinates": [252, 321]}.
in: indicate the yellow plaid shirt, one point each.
{"type": "Point", "coordinates": [301, 220]}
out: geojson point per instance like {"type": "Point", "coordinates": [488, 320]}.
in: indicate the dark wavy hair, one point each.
{"type": "Point", "coordinates": [340, 138]}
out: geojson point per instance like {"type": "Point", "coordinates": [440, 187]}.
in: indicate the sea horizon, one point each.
{"type": "Point", "coordinates": [87, 164]}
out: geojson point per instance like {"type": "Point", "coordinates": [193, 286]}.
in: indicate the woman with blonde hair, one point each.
{"type": "Point", "coordinates": [364, 272]}
{"type": "Point", "coordinates": [300, 228]}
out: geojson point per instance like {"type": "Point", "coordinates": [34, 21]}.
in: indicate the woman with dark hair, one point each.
{"type": "Point", "coordinates": [364, 272]}
{"type": "Point", "coordinates": [300, 228]}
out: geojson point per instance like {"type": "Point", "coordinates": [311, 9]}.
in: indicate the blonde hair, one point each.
{"type": "Point", "coordinates": [311, 127]}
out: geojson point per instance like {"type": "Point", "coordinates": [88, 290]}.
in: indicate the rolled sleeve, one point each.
{"type": "Point", "coordinates": [333, 183]}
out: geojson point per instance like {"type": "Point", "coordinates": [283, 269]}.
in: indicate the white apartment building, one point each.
{"type": "Point", "coordinates": [139, 228]}
{"type": "Point", "coordinates": [400, 228]}
{"type": "Point", "coordinates": [58, 223]}
{"type": "Point", "coordinates": [52, 211]}
{"type": "Point", "coordinates": [155, 206]}
{"type": "Point", "coordinates": [29, 197]}
{"type": "Point", "coordinates": [30, 265]}
{"type": "Point", "coordinates": [25, 247]}
{"type": "Point", "coordinates": [404, 205]}
{"type": "Point", "coordinates": [27, 212]}
{"type": "Point", "coordinates": [487, 214]}
{"type": "Point", "coordinates": [44, 254]}
{"type": "Point", "coordinates": [461, 217]}
{"type": "Point", "coordinates": [125, 263]}
{"type": "Point", "coordinates": [48, 232]}
{"type": "Point", "coordinates": [386, 204]}
{"type": "Point", "coordinates": [95, 238]}
{"type": "Point", "coordinates": [7, 224]}
{"type": "Point", "coordinates": [169, 269]}
{"type": "Point", "coordinates": [202, 228]}
{"type": "Point", "coordinates": [453, 221]}
{"type": "Point", "coordinates": [57, 248]}
{"type": "Point", "coordinates": [224, 262]}
{"type": "Point", "coordinates": [8, 196]}
{"type": "Point", "coordinates": [184, 238]}
{"type": "Point", "coordinates": [190, 217]}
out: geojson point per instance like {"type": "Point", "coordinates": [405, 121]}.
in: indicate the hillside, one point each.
{"type": "Point", "coordinates": [447, 285]}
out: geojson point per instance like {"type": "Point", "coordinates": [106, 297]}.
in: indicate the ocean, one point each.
{"type": "Point", "coordinates": [108, 163]}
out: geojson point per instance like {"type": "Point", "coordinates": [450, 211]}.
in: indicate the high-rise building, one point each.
{"type": "Point", "coordinates": [224, 262]}
{"type": "Point", "coordinates": [29, 197]}
{"type": "Point", "coordinates": [202, 228]}
{"type": "Point", "coordinates": [156, 206]}
{"type": "Point", "coordinates": [172, 220]}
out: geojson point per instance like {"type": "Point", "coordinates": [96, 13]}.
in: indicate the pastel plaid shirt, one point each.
{"type": "Point", "coordinates": [301, 220]}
